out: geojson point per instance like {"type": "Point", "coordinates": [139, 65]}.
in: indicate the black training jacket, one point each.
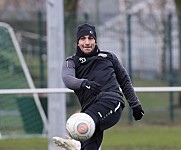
{"type": "Point", "coordinates": [103, 68]}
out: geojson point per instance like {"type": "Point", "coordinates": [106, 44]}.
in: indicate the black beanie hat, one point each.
{"type": "Point", "coordinates": [86, 29]}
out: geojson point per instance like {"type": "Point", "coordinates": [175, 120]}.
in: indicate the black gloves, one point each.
{"type": "Point", "coordinates": [138, 112]}
{"type": "Point", "coordinates": [93, 86]}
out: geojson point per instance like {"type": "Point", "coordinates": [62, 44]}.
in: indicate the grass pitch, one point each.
{"type": "Point", "coordinates": [143, 137]}
{"type": "Point", "coordinates": [120, 137]}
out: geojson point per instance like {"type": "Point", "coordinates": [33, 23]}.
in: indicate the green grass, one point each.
{"type": "Point", "coordinates": [24, 144]}
{"type": "Point", "coordinates": [120, 137]}
{"type": "Point", "coordinates": [139, 137]}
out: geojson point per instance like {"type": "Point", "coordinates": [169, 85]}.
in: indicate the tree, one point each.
{"type": "Point", "coordinates": [178, 5]}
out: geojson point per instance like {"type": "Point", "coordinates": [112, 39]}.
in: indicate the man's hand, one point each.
{"type": "Point", "coordinates": [138, 112]}
{"type": "Point", "coordinates": [93, 86]}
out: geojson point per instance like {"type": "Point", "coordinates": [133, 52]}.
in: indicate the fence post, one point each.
{"type": "Point", "coordinates": [40, 26]}
{"type": "Point", "coordinates": [170, 66]}
{"type": "Point", "coordinates": [129, 59]}
{"type": "Point", "coordinates": [179, 20]}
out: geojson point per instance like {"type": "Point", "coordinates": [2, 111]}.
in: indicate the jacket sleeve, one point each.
{"type": "Point", "coordinates": [68, 75]}
{"type": "Point", "coordinates": [125, 83]}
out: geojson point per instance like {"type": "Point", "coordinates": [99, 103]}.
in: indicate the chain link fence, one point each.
{"type": "Point", "coordinates": [147, 45]}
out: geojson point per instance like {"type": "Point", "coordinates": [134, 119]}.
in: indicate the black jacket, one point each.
{"type": "Point", "coordinates": [103, 68]}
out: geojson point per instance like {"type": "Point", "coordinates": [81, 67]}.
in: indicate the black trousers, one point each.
{"type": "Point", "coordinates": [105, 115]}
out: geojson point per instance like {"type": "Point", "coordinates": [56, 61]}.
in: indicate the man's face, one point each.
{"type": "Point", "coordinates": [87, 43]}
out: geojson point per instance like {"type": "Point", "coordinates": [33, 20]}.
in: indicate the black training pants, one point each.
{"type": "Point", "coordinates": [105, 115]}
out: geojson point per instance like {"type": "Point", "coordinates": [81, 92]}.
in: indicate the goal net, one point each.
{"type": "Point", "coordinates": [19, 114]}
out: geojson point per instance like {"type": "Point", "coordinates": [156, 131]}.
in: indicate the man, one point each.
{"type": "Point", "coordinates": [96, 77]}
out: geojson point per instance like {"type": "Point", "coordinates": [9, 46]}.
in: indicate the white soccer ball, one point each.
{"type": "Point", "coordinates": [80, 126]}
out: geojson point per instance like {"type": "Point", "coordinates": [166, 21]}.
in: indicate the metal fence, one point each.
{"type": "Point", "coordinates": [148, 46]}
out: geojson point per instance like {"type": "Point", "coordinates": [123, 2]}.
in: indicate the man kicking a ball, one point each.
{"type": "Point", "coordinates": [96, 77]}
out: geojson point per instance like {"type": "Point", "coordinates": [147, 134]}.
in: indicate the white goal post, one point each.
{"type": "Point", "coordinates": [26, 72]}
